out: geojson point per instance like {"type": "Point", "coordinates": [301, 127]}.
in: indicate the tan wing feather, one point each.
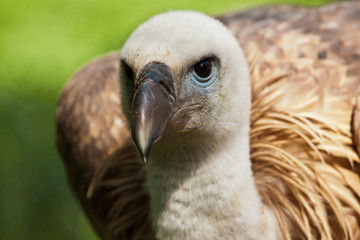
{"type": "Point", "coordinates": [90, 132]}
{"type": "Point", "coordinates": [356, 122]}
{"type": "Point", "coordinates": [305, 70]}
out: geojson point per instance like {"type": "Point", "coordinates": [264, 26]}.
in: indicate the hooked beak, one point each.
{"type": "Point", "coordinates": [152, 107]}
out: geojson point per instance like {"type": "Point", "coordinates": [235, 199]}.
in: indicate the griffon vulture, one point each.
{"type": "Point", "coordinates": [244, 127]}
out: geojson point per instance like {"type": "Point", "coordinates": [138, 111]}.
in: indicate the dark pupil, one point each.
{"type": "Point", "coordinates": [203, 69]}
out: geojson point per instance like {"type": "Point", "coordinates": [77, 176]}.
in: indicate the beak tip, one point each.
{"type": "Point", "coordinates": [145, 153]}
{"type": "Point", "coordinates": [143, 147]}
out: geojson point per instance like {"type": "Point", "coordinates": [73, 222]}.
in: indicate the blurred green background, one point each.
{"type": "Point", "coordinates": [42, 43]}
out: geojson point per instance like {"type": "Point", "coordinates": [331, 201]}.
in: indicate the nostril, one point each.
{"type": "Point", "coordinates": [168, 90]}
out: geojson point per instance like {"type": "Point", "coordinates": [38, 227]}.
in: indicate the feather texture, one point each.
{"type": "Point", "coordinates": [305, 72]}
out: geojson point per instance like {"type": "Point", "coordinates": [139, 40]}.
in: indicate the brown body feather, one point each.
{"type": "Point", "coordinates": [305, 133]}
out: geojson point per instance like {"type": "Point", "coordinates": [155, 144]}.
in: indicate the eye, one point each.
{"type": "Point", "coordinates": [204, 70]}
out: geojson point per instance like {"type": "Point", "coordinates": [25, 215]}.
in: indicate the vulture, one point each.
{"type": "Point", "coordinates": [244, 126]}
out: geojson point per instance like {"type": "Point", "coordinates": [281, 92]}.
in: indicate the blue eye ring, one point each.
{"type": "Point", "coordinates": [204, 71]}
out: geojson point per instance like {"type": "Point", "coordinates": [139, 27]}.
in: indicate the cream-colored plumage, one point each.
{"type": "Point", "coordinates": [200, 180]}
{"type": "Point", "coordinates": [304, 131]}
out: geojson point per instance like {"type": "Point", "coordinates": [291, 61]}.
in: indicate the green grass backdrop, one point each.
{"type": "Point", "coordinates": [42, 43]}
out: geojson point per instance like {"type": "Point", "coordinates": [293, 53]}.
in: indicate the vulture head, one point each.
{"type": "Point", "coordinates": [184, 74]}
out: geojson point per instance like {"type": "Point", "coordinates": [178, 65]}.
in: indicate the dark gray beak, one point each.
{"type": "Point", "coordinates": [152, 107]}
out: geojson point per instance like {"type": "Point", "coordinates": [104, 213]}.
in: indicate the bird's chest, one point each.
{"type": "Point", "coordinates": [204, 207]}
{"type": "Point", "coordinates": [196, 214]}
